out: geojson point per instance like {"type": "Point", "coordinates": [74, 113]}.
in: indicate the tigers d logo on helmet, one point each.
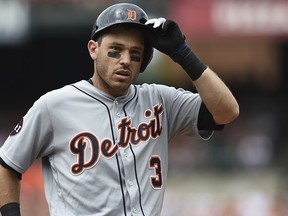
{"type": "Point", "coordinates": [132, 15]}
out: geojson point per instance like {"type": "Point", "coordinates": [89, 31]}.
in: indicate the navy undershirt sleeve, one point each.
{"type": "Point", "coordinates": [206, 121]}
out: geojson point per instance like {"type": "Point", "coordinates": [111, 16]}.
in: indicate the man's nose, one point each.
{"type": "Point", "coordinates": [125, 58]}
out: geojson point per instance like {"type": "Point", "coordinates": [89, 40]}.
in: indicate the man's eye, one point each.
{"type": "Point", "coordinates": [136, 53]}
{"type": "Point", "coordinates": [135, 58]}
{"type": "Point", "coordinates": [115, 48]}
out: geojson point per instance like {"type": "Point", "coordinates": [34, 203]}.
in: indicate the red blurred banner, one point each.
{"type": "Point", "coordinates": [226, 18]}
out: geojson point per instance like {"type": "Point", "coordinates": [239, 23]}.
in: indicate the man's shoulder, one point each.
{"type": "Point", "coordinates": [66, 89]}
{"type": "Point", "coordinates": [164, 91]}
{"type": "Point", "coordinates": [153, 87]}
{"type": "Point", "coordinates": [59, 94]}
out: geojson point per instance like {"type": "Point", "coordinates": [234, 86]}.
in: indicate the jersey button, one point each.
{"type": "Point", "coordinates": [118, 114]}
{"type": "Point", "coordinates": [126, 156]}
{"type": "Point", "coordinates": [134, 211]}
{"type": "Point", "coordinates": [130, 183]}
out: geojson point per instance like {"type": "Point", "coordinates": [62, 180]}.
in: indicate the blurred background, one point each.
{"type": "Point", "coordinates": [241, 171]}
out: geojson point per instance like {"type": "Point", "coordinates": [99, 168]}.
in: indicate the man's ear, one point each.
{"type": "Point", "coordinates": [92, 49]}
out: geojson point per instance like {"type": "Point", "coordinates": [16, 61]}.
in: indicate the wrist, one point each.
{"type": "Point", "coordinates": [10, 209]}
{"type": "Point", "coordinates": [188, 60]}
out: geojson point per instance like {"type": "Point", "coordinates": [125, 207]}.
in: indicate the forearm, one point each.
{"type": "Point", "coordinates": [217, 97]}
{"type": "Point", "coordinates": [9, 187]}
{"type": "Point", "coordinates": [168, 38]}
{"type": "Point", "coordinates": [215, 94]}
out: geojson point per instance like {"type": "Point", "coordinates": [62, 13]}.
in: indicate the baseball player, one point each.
{"type": "Point", "coordinates": [104, 141]}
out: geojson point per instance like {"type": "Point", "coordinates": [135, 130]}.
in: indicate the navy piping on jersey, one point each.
{"type": "Point", "coordinates": [119, 172]}
{"type": "Point", "coordinates": [134, 157]}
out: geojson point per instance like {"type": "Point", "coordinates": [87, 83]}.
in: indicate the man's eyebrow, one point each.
{"type": "Point", "coordinates": [116, 44]}
{"type": "Point", "coordinates": [122, 45]}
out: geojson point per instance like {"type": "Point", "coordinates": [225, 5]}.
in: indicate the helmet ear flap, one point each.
{"type": "Point", "coordinates": [94, 30]}
{"type": "Point", "coordinates": [148, 55]}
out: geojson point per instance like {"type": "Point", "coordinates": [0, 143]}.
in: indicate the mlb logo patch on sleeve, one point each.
{"type": "Point", "coordinates": [18, 128]}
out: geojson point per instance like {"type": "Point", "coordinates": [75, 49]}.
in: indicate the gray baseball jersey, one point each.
{"type": "Point", "coordinates": [103, 155]}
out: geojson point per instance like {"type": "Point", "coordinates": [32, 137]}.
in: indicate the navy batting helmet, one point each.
{"type": "Point", "coordinates": [124, 13]}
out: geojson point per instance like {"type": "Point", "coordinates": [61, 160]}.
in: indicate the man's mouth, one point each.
{"type": "Point", "coordinates": [122, 74]}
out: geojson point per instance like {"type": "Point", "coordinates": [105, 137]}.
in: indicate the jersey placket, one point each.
{"type": "Point", "coordinates": [127, 162]}
{"type": "Point", "coordinates": [130, 180]}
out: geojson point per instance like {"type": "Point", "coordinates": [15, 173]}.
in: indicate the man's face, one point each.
{"type": "Point", "coordinates": [117, 60]}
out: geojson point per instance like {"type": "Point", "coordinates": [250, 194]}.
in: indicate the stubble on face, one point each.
{"type": "Point", "coordinates": [106, 78]}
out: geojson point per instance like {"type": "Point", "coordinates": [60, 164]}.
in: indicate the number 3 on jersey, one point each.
{"type": "Point", "coordinates": [155, 163]}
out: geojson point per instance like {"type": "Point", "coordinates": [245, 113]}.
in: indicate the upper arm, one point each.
{"type": "Point", "coordinates": [32, 141]}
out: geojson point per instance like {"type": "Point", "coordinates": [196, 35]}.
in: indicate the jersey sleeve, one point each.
{"type": "Point", "coordinates": [183, 111]}
{"type": "Point", "coordinates": [30, 139]}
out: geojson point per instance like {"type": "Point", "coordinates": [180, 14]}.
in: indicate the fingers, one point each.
{"type": "Point", "coordinates": [156, 22]}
